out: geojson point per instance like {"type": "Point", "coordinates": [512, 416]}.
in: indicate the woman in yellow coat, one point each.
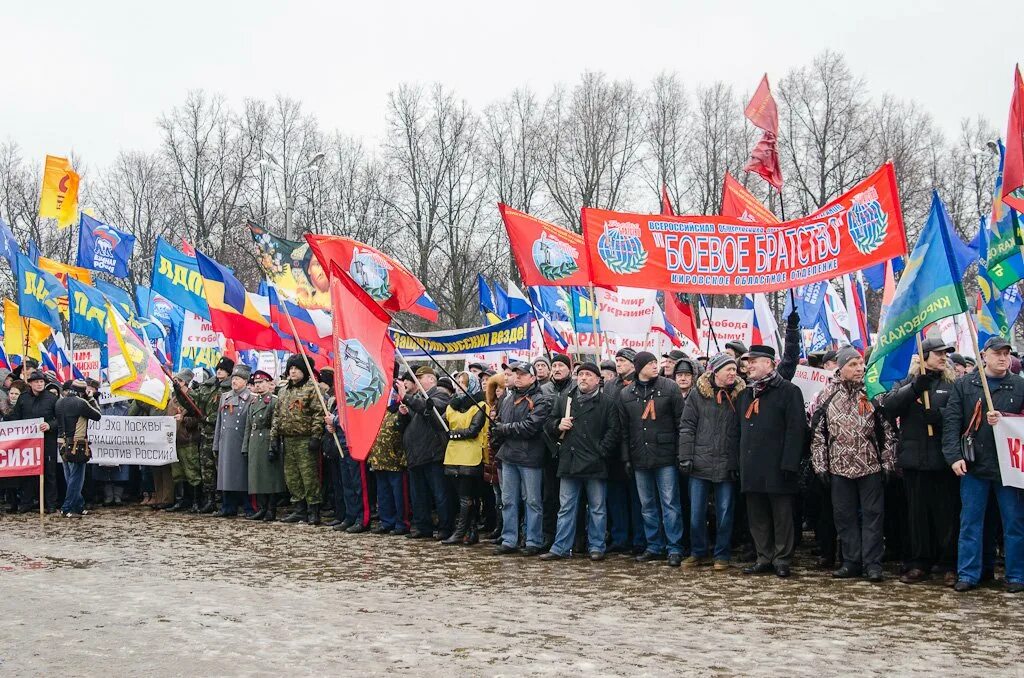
{"type": "Point", "coordinates": [468, 426]}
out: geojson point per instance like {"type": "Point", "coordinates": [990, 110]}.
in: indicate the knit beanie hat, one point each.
{"type": "Point", "coordinates": [641, 359]}
{"type": "Point", "coordinates": [561, 358]}
{"type": "Point", "coordinates": [845, 355]}
{"type": "Point", "coordinates": [720, 360]}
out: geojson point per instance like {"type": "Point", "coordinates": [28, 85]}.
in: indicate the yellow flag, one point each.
{"type": "Point", "coordinates": [63, 271]}
{"type": "Point", "coordinates": [59, 197]}
{"type": "Point", "coordinates": [14, 332]}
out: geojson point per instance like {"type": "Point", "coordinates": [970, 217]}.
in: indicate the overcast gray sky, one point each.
{"type": "Point", "coordinates": [93, 76]}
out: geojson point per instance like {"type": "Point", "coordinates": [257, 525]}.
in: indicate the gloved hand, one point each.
{"type": "Point", "coordinates": [793, 320]}
{"type": "Point", "coordinates": [314, 446]}
{"type": "Point", "coordinates": [685, 467]}
{"type": "Point", "coordinates": [923, 382]}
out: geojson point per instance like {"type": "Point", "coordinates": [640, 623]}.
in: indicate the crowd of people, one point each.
{"type": "Point", "coordinates": [698, 462]}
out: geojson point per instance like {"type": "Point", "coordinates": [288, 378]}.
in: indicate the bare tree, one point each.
{"type": "Point", "coordinates": [667, 134]}
{"type": "Point", "coordinates": [720, 144]}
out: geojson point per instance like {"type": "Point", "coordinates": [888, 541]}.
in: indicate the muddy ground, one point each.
{"type": "Point", "coordinates": [141, 593]}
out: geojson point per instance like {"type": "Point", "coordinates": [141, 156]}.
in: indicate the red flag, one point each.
{"type": "Point", "coordinates": [739, 203]}
{"type": "Point", "coordinates": [186, 247]}
{"type": "Point", "coordinates": [764, 158]}
{"type": "Point", "coordinates": [1013, 167]}
{"type": "Point", "coordinates": [388, 282]}
{"type": "Point", "coordinates": [546, 254]}
{"type": "Point", "coordinates": [364, 357]}
{"type": "Point", "coordinates": [666, 204]}
{"type": "Point", "coordinates": [680, 315]}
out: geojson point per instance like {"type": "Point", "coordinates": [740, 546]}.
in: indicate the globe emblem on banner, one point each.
{"type": "Point", "coordinates": [364, 382]}
{"type": "Point", "coordinates": [620, 247]}
{"type": "Point", "coordinates": [867, 221]}
{"type": "Point", "coordinates": [370, 271]}
{"type": "Point", "coordinates": [553, 258]}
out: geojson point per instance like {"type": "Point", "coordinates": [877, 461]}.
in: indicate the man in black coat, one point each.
{"type": "Point", "coordinates": [35, 403]}
{"type": "Point", "coordinates": [425, 440]}
{"type": "Point", "coordinates": [74, 412]}
{"type": "Point", "coordinates": [625, 524]}
{"type": "Point", "coordinates": [979, 473]}
{"type": "Point", "coordinates": [773, 427]}
{"type": "Point", "coordinates": [932, 489]}
{"type": "Point", "coordinates": [559, 385]}
{"type": "Point", "coordinates": [652, 407]}
{"type": "Point", "coordinates": [519, 430]}
{"type": "Point", "coordinates": [587, 438]}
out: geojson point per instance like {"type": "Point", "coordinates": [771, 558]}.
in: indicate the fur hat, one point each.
{"type": "Point", "coordinates": [242, 371]}
{"type": "Point", "coordinates": [295, 360]}
{"type": "Point", "coordinates": [226, 364]}
{"type": "Point", "coordinates": [186, 376]}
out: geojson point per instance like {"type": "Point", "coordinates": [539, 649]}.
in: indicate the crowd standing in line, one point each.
{"type": "Point", "coordinates": [700, 462]}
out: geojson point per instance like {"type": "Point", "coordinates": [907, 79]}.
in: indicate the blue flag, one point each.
{"type": "Point", "coordinates": [176, 277]}
{"type": "Point", "coordinates": [88, 311]}
{"type": "Point", "coordinates": [929, 290]}
{"type": "Point", "coordinates": [38, 293]}
{"type": "Point", "coordinates": [124, 304]}
{"type": "Point", "coordinates": [487, 304]}
{"type": "Point", "coordinates": [584, 311]}
{"type": "Point", "coordinates": [551, 301]}
{"type": "Point", "coordinates": [991, 316]}
{"type": "Point", "coordinates": [9, 249]}
{"type": "Point", "coordinates": [102, 247]}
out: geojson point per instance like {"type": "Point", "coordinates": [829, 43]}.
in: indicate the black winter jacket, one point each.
{"type": "Point", "coordinates": [69, 410]}
{"type": "Point", "coordinates": [424, 438]}
{"type": "Point", "coordinates": [593, 440]}
{"type": "Point", "coordinates": [1008, 398]}
{"type": "Point", "coordinates": [709, 433]}
{"type": "Point", "coordinates": [917, 450]}
{"type": "Point", "coordinates": [42, 406]}
{"type": "Point", "coordinates": [520, 426]}
{"type": "Point", "coordinates": [650, 434]}
{"type": "Point", "coordinates": [791, 351]}
{"type": "Point", "coordinates": [772, 435]}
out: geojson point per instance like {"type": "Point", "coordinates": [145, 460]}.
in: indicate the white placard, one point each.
{"type": "Point", "coordinates": [145, 441]}
{"type": "Point", "coordinates": [1009, 432]}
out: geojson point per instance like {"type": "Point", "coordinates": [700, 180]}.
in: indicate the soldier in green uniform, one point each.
{"type": "Point", "coordinates": [299, 423]}
{"type": "Point", "coordinates": [266, 468]}
{"type": "Point", "coordinates": [209, 395]}
{"type": "Point", "coordinates": [185, 411]}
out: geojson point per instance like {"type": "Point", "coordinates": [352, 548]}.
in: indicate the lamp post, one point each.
{"type": "Point", "coordinates": [288, 182]}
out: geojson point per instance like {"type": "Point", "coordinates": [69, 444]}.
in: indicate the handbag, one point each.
{"type": "Point", "coordinates": [78, 453]}
{"type": "Point", "coordinates": [967, 438]}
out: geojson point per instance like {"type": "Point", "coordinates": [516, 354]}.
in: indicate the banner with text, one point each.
{"type": "Point", "coordinates": [200, 343]}
{"type": "Point", "coordinates": [729, 324]}
{"type": "Point", "coordinates": [508, 335]}
{"type": "Point", "coordinates": [1009, 432]}
{"type": "Point", "coordinates": [811, 380]}
{"type": "Point", "coordinates": [720, 255]}
{"type": "Point", "coordinates": [627, 310]}
{"type": "Point", "coordinates": [146, 441]}
{"type": "Point", "coordinates": [21, 448]}
{"type": "Point", "coordinates": [87, 360]}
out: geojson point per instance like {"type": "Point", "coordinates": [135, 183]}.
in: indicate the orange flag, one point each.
{"type": "Point", "coordinates": [59, 196]}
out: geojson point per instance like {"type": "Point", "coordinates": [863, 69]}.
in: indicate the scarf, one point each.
{"type": "Point", "coordinates": [758, 387]}
{"type": "Point", "coordinates": [582, 397]}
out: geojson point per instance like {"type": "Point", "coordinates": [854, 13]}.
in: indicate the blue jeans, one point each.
{"type": "Point", "coordinates": [521, 483]}
{"type": "Point", "coordinates": [974, 497]}
{"type": "Point", "coordinates": [660, 487]}
{"type": "Point", "coordinates": [391, 499]}
{"type": "Point", "coordinates": [427, 487]}
{"type": "Point", "coordinates": [725, 502]}
{"type": "Point", "coordinates": [569, 501]}
{"type": "Point", "coordinates": [74, 475]}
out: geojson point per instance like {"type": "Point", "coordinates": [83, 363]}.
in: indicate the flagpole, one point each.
{"type": "Point", "coordinates": [529, 297]}
{"type": "Point", "coordinates": [412, 373]}
{"type": "Point", "coordinates": [782, 210]}
{"type": "Point", "coordinates": [593, 324]}
{"type": "Point", "coordinates": [309, 369]}
{"type": "Point", "coordinates": [981, 362]}
{"type": "Point", "coordinates": [927, 401]}
{"type": "Point", "coordinates": [711, 328]}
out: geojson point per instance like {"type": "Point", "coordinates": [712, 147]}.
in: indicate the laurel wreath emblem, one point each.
{"type": "Point", "coordinates": [563, 270]}
{"type": "Point", "coordinates": [365, 397]}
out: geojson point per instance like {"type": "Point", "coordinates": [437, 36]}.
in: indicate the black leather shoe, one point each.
{"type": "Point", "coordinates": [648, 556]}
{"type": "Point", "coordinates": [596, 556]}
{"type": "Point", "coordinates": [846, 572]}
{"type": "Point", "coordinates": [503, 550]}
{"type": "Point", "coordinates": [782, 571]}
{"type": "Point", "coordinates": [875, 576]}
{"type": "Point", "coordinates": [824, 563]}
{"type": "Point", "coordinates": [551, 555]}
{"type": "Point", "coordinates": [358, 528]}
{"type": "Point", "coordinates": [964, 586]}
{"type": "Point", "coordinates": [380, 529]}
{"type": "Point", "coordinates": [531, 551]}
{"type": "Point", "coordinates": [1015, 588]}
{"type": "Point", "coordinates": [638, 550]}
{"type": "Point", "coordinates": [759, 568]}
{"type": "Point", "coordinates": [258, 515]}
{"type": "Point", "coordinates": [675, 560]}
{"type": "Point", "coordinates": [419, 535]}
{"type": "Point", "coordinates": [335, 523]}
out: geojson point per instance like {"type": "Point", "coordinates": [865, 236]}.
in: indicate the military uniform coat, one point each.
{"type": "Point", "coordinates": [228, 437]}
{"type": "Point", "coordinates": [265, 476]}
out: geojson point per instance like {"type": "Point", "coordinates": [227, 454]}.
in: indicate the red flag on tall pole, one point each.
{"type": "Point", "coordinates": [1013, 163]}
{"type": "Point", "coordinates": [681, 316]}
{"type": "Point", "coordinates": [364, 357]}
{"type": "Point", "coordinates": [764, 114]}
{"type": "Point", "coordinates": [666, 203]}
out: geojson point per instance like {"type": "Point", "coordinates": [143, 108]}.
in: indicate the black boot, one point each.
{"type": "Point", "coordinates": [461, 522]}
{"type": "Point", "coordinates": [472, 537]}
{"type": "Point", "coordinates": [184, 502]}
{"type": "Point", "coordinates": [210, 505]}
{"type": "Point", "coordinates": [314, 514]}
{"type": "Point", "coordinates": [298, 515]}
{"type": "Point", "coordinates": [261, 504]}
{"type": "Point", "coordinates": [271, 514]}
{"type": "Point", "coordinates": [197, 499]}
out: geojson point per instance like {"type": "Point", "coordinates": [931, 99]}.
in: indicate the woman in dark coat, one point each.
{"type": "Point", "coordinates": [709, 455]}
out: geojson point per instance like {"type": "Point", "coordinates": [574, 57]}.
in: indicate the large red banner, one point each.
{"type": "Point", "coordinates": [364, 358]}
{"type": "Point", "coordinates": [546, 254]}
{"type": "Point", "coordinates": [717, 255]}
{"type": "Point", "coordinates": [21, 448]}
